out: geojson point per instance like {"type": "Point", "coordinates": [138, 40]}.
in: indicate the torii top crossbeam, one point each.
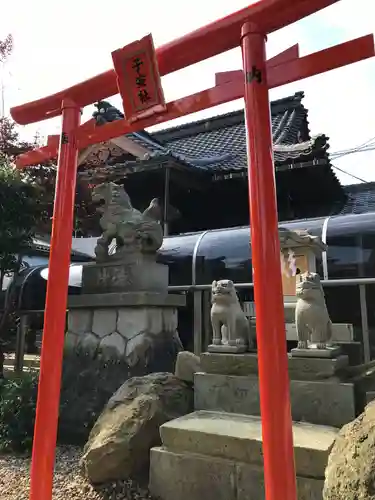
{"type": "Point", "coordinates": [246, 28]}
{"type": "Point", "coordinates": [208, 41]}
{"type": "Point", "coordinates": [280, 71]}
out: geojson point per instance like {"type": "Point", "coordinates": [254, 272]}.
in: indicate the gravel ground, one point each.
{"type": "Point", "coordinates": [69, 484]}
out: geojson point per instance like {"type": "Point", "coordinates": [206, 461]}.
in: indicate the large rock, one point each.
{"type": "Point", "coordinates": [120, 441]}
{"type": "Point", "coordinates": [350, 473]}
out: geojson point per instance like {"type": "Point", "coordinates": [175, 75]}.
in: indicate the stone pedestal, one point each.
{"type": "Point", "coordinates": [328, 352]}
{"type": "Point", "coordinates": [247, 364]}
{"type": "Point", "coordinates": [136, 273]}
{"type": "Point", "coordinates": [229, 383]}
{"type": "Point", "coordinates": [224, 349]}
{"type": "Point", "coordinates": [318, 402]}
{"type": "Point", "coordinates": [122, 326]}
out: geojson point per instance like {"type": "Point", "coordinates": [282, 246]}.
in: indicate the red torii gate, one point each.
{"type": "Point", "coordinates": [247, 28]}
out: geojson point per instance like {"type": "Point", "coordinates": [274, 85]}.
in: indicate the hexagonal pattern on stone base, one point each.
{"type": "Point", "coordinates": [104, 322]}
{"type": "Point", "coordinates": [71, 341]}
{"type": "Point", "coordinates": [131, 322]}
{"type": "Point", "coordinates": [112, 346]}
{"type": "Point", "coordinates": [170, 320]}
{"type": "Point", "coordinates": [80, 321]}
{"type": "Point", "coordinates": [89, 344]}
{"type": "Point", "coordinates": [136, 348]}
{"type": "Point", "coordinates": [123, 333]}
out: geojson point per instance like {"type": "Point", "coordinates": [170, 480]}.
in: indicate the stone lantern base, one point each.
{"type": "Point", "coordinates": [122, 326]}
{"type": "Point", "coordinates": [112, 337]}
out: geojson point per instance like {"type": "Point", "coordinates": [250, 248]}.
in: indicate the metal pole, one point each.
{"type": "Point", "coordinates": [207, 327]}
{"type": "Point", "coordinates": [364, 324]}
{"type": "Point", "coordinates": [198, 323]}
{"type": "Point", "coordinates": [324, 254]}
{"type": "Point", "coordinates": [166, 201]}
{"type": "Point", "coordinates": [279, 472]}
{"type": "Point", "coordinates": [20, 343]}
{"type": "Point", "coordinates": [47, 411]}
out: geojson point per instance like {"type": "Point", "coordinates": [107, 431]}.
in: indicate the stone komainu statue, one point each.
{"type": "Point", "coordinates": [313, 323]}
{"type": "Point", "coordinates": [230, 326]}
{"type": "Point", "coordinates": [134, 232]}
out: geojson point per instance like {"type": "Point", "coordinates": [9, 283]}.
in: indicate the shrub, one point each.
{"type": "Point", "coordinates": [18, 398]}
{"type": "Point", "coordinates": [86, 387]}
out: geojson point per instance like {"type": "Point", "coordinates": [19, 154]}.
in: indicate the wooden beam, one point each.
{"type": "Point", "coordinates": [287, 55]}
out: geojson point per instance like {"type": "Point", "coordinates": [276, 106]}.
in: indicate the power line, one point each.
{"type": "Point", "coordinates": [366, 142]}
{"type": "Point", "coordinates": [361, 147]}
{"type": "Point", "coordinates": [349, 174]}
{"type": "Point", "coordinates": [335, 156]}
{"type": "Point", "coordinates": [368, 145]}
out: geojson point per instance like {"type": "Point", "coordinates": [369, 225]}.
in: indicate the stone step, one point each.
{"type": "Point", "coordinates": [320, 402]}
{"type": "Point", "coordinates": [188, 476]}
{"type": "Point", "coordinates": [300, 368]}
{"type": "Point", "coordinates": [218, 456]}
{"type": "Point", "coordinates": [239, 438]}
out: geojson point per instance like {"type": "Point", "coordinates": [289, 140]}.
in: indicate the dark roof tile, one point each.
{"type": "Point", "coordinates": [360, 199]}
{"type": "Point", "coordinates": [41, 244]}
{"type": "Point", "coordinates": [219, 143]}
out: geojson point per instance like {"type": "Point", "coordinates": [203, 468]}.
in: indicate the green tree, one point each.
{"type": "Point", "coordinates": [21, 212]}
{"type": "Point", "coordinates": [43, 176]}
{"type": "Point", "coordinates": [6, 49]}
{"type": "Point", "coordinates": [26, 201]}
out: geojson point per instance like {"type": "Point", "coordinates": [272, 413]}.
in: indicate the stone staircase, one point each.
{"type": "Point", "coordinates": [216, 455]}
{"type": "Point", "coordinates": [216, 452]}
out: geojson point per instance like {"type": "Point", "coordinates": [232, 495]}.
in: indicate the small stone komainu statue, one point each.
{"type": "Point", "coordinates": [313, 324]}
{"type": "Point", "coordinates": [230, 325]}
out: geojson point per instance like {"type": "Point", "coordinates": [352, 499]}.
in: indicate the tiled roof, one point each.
{"type": "Point", "coordinates": [42, 245]}
{"type": "Point", "coordinates": [218, 144]}
{"type": "Point", "coordinates": [360, 199]}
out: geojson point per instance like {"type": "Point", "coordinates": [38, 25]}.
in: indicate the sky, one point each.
{"type": "Point", "coordinates": [341, 103]}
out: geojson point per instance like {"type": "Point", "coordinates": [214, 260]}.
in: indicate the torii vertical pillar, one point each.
{"type": "Point", "coordinates": [47, 410]}
{"type": "Point", "coordinates": [278, 453]}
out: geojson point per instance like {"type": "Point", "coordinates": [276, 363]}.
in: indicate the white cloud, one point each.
{"type": "Point", "coordinates": [341, 103]}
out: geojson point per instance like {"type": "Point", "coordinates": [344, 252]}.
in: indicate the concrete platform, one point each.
{"type": "Point", "coordinates": [231, 349]}
{"type": "Point", "coordinates": [239, 438]}
{"type": "Point", "coordinates": [218, 456]}
{"type": "Point", "coordinates": [247, 364]}
{"type": "Point", "coordinates": [323, 402]}
{"type": "Point", "coordinates": [329, 352]}
{"type": "Point", "coordinates": [185, 476]}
